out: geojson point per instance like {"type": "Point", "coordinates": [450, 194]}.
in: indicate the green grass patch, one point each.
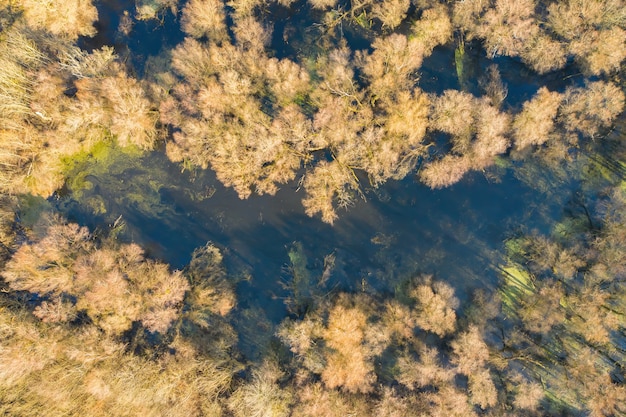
{"type": "Point", "coordinates": [517, 283]}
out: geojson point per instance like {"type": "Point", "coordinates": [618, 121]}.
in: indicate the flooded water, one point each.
{"type": "Point", "coordinates": [401, 230]}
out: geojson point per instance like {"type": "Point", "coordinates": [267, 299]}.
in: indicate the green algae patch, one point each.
{"type": "Point", "coordinates": [121, 184]}
{"type": "Point", "coordinates": [570, 227]}
{"type": "Point", "coordinates": [100, 159]}
{"type": "Point", "coordinates": [106, 176]}
{"type": "Point", "coordinates": [300, 285]}
{"type": "Point", "coordinates": [104, 152]}
{"type": "Point", "coordinates": [604, 168]}
{"type": "Point", "coordinates": [306, 286]}
{"type": "Point", "coordinates": [31, 207]}
{"type": "Point", "coordinates": [517, 283]}
{"type": "Point", "coordinates": [298, 261]}
{"type": "Point", "coordinates": [96, 204]}
{"type": "Point", "coordinates": [463, 65]}
{"type": "Point", "coordinates": [459, 63]}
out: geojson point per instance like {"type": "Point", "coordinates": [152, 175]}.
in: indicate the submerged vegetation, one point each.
{"type": "Point", "coordinates": [327, 112]}
{"type": "Point", "coordinates": [256, 120]}
{"type": "Point", "coordinates": [331, 97]}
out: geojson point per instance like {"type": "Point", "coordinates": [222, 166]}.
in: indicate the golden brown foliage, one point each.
{"type": "Point", "coordinates": [528, 394]}
{"type": "Point", "coordinates": [390, 12]}
{"type": "Point", "coordinates": [338, 343]}
{"type": "Point", "coordinates": [353, 332]}
{"type": "Point", "coordinates": [245, 146]}
{"type": "Point", "coordinates": [445, 171]}
{"type": "Point", "coordinates": [507, 27]}
{"type": "Point", "coordinates": [254, 144]}
{"type": "Point", "coordinates": [495, 89]}
{"type": "Point", "coordinates": [70, 18]}
{"type": "Point", "coordinates": [435, 306]}
{"type": "Point", "coordinates": [315, 400]}
{"type": "Point", "coordinates": [53, 369]}
{"type": "Point", "coordinates": [590, 109]}
{"type": "Point", "coordinates": [544, 53]}
{"type": "Point", "coordinates": [544, 36]}
{"type": "Point", "coordinates": [453, 113]}
{"type": "Point", "coordinates": [471, 353]}
{"type": "Point", "coordinates": [42, 126]}
{"type": "Point", "coordinates": [594, 318]}
{"type": "Point", "coordinates": [482, 389]}
{"type": "Point", "coordinates": [210, 289]}
{"type": "Point", "coordinates": [262, 396]}
{"type": "Point", "coordinates": [106, 99]}
{"type": "Point", "coordinates": [114, 286]}
{"type": "Point", "coordinates": [257, 121]}
{"type": "Point", "coordinates": [426, 371]}
{"type": "Point", "coordinates": [151, 9]}
{"type": "Point", "coordinates": [448, 401]}
{"type": "Point", "coordinates": [45, 267]}
{"type": "Point", "coordinates": [205, 18]}
{"type": "Point", "coordinates": [391, 66]}
{"type": "Point", "coordinates": [326, 184]}
{"type": "Point", "coordinates": [398, 321]}
{"type": "Point", "coordinates": [479, 132]}
{"type": "Point", "coordinates": [592, 32]}
{"type": "Point", "coordinates": [571, 306]}
{"type": "Point", "coordinates": [540, 314]}
{"type": "Point", "coordinates": [8, 226]}
{"type": "Point", "coordinates": [534, 125]}
{"type": "Point", "coordinates": [393, 404]}
{"type": "Point", "coordinates": [322, 4]}
{"type": "Point", "coordinates": [21, 77]}
{"type": "Point", "coordinates": [56, 363]}
{"type": "Point", "coordinates": [112, 383]}
{"type": "Point", "coordinates": [347, 363]}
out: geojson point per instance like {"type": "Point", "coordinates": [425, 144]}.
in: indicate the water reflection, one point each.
{"type": "Point", "coordinates": [403, 229]}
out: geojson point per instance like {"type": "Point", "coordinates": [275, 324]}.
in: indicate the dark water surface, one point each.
{"type": "Point", "coordinates": [403, 229]}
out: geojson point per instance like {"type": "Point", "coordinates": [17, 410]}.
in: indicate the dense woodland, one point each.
{"type": "Point", "coordinates": [333, 101]}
